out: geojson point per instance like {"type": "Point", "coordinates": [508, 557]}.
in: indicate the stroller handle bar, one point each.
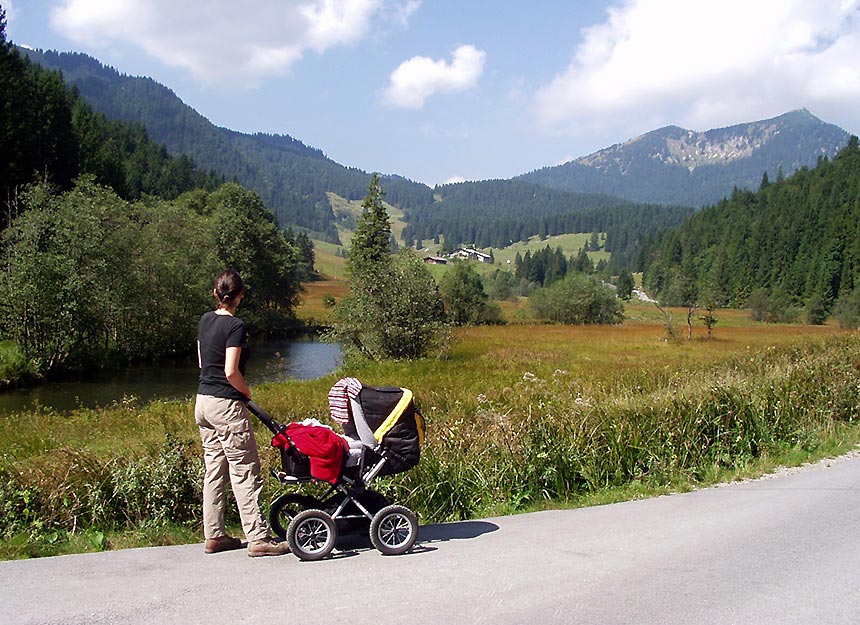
{"type": "Point", "coordinates": [265, 417]}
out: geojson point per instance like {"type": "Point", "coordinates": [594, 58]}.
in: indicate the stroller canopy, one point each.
{"type": "Point", "coordinates": [384, 416]}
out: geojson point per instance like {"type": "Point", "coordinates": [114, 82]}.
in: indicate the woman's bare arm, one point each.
{"type": "Point", "coordinates": [231, 370]}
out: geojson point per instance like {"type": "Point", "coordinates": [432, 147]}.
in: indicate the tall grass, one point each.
{"type": "Point", "coordinates": [556, 438]}
{"type": "Point", "coordinates": [520, 417]}
{"type": "Point", "coordinates": [72, 491]}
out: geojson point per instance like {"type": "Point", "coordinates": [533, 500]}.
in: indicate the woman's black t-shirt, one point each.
{"type": "Point", "coordinates": [216, 333]}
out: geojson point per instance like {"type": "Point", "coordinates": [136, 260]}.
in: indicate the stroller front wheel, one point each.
{"type": "Point", "coordinates": [394, 530]}
{"type": "Point", "coordinates": [312, 535]}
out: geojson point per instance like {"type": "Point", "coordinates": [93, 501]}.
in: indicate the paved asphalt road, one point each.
{"type": "Point", "coordinates": [785, 549]}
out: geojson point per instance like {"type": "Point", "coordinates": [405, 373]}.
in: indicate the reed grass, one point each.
{"type": "Point", "coordinates": [520, 417]}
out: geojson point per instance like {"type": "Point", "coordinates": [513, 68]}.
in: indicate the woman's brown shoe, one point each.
{"type": "Point", "coordinates": [267, 547]}
{"type": "Point", "coordinates": [222, 543]}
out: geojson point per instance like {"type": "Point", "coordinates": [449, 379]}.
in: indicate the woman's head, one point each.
{"type": "Point", "coordinates": [228, 288]}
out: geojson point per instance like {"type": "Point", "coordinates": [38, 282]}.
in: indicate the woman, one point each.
{"type": "Point", "coordinates": [229, 447]}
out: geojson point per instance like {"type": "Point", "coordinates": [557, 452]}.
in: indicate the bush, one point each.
{"type": "Point", "coordinates": [816, 310]}
{"type": "Point", "coordinates": [72, 491]}
{"type": "Point", "coordinates": [400, 315]}
{"type": "Point", "coordinates": [578, 299]}
{"type": "Point", "coordinates": [14, 366]}
{"type": "Point", "coordinates": [465, 299]}
{"type": "Point", "coordinates": [625, 285]}
{"type": "Point", "coordinates": [394, 309]}
{"type": "Point", "coordinates": [164, 489]}
{"type": "Point", "coordinates": [847, 310]}
{"type": "Point", "coordinates": [775, 308]}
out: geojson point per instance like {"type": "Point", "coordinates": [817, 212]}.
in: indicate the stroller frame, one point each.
{"type": "Point", "coordinates": [312, 525]}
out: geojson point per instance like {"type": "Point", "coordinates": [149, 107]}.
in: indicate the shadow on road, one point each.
{"type": "Point", "coordinates": [442, 532]}
{"type": "Point", "coordinates": [461, 530]}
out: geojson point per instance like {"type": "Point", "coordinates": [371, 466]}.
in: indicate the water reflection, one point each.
{"type": "Point", "coordinates": [272, 362]}
{"type": "Point", "coordinates": [299, 360]}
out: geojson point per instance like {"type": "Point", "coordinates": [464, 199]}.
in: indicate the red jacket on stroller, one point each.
{"type": "Point", "coordinates": [320, 444]}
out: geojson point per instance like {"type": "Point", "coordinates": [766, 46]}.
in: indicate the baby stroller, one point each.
{"type": "Point", "coordinates": [383, 436]}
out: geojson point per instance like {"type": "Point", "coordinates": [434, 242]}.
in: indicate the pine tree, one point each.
{"type": "Point", "coordinates": [370, 253]}
{"type": "Point", "coordinates": [625, 285]}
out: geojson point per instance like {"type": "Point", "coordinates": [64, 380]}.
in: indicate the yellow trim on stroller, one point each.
{"type": "Point", "coordinates": [382, 430]}
{"type": "Point", "coordinates": [421, 426]}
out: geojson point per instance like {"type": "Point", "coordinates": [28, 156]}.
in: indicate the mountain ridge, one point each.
{"type": "Point", "coordinates": [278, 167]}
{"type": "Point", "coordinates": [670, 166]}
{"type": "Point", "coordinates": [675, 165]}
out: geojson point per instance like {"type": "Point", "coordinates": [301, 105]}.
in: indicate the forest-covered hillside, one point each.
{"type": "Point", "coordinates": [794, 243]}
{"type": "Point", "coordinates": [291, 177]}
{"type": "Point", "coordinates": [48, 132]}
{"type": "Point", "coordinates": [666, 171]}
{"type": "Point", "coordinates": [520, 210]}
{"type": "Point", "coordinates": [108, 245]}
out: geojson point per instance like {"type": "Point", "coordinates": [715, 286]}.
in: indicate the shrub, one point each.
{"type": "Point", "coordinates": [578, 299]}
{"type": "Point", "coordinates": [847, 309]}
{"type": "Point", "coordinates": [162, 489]}
{"type": "Point", "coordinates": [72, 491]}
{"type": "Point", "coordinates": [465, 299]}
{"type": "Point", "coordinates": [14, 366]}
{"type": "Point", "coordinates": [401, 316]}
{"type": "Point", "coordinates": [394, 309]}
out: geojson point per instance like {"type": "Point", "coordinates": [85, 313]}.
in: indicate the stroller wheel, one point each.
{"type": "Point", "coordinates": [312, 535]}
{"type": "Point", "coordinates": [394, 530]}
{"type": "Point", "coordinates": [285, 507]}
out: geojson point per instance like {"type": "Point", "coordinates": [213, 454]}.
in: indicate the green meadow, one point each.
{"type": "Point", "coordinates": [520, 417]}
{"type": "Point", "coordinates": [570, 245]}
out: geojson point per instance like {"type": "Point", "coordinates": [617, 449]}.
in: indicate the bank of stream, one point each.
{"type": "Point", "coordinates": [171, 379]}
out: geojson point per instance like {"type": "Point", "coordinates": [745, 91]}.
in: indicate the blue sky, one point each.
{"type": "Point", "coordinates": [469, 90]}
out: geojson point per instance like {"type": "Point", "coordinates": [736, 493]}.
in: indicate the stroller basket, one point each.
{"type": "Point", "coordinates": [295, 463]}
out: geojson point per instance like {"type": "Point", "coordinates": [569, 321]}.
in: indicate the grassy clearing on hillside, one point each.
{"type": "Point", "coordinates": [570, 245]}
{"type": "Point", "coordinates": [330, 264]}
{"type": "Point", "coordinates": [328, 260]}
{"type": "Point", "coordinates": [353, 207]}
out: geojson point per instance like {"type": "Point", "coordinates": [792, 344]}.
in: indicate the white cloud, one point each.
{"type": "Point", "coordinates": [420, 77]}
{"type": "Point", "coordinates": [9, 7]}
{"type": "Point", "coordinates": [401, 12]}
{"type": "Point", "coordinates": [218, 41]}
{"type": "Point", "coordinates": [454, 180]}
{"type": "Point", "coordinates": [707, 63]}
